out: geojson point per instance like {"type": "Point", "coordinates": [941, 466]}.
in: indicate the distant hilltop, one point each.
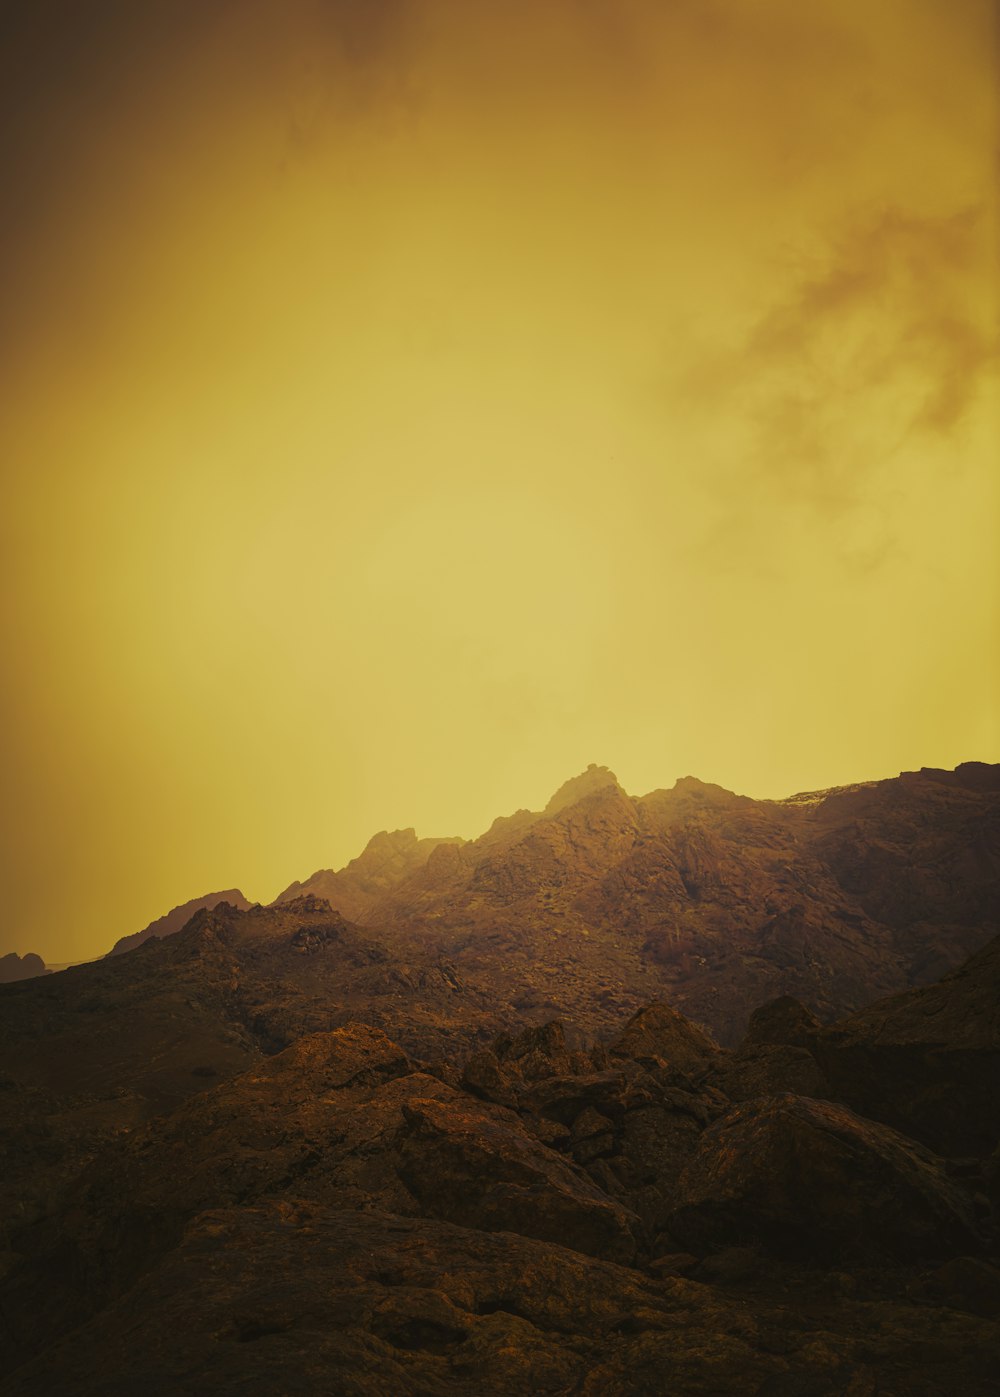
{"type": "Point", "coordinates": [14, 967]}
{"type": "Point", "coordinates": [179, 917]}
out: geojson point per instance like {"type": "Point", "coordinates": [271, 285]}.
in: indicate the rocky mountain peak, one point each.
{"type": "Point", "coordinates": [179, 917]}
{"type": "Point", "coordinates": [702, 790]}
{"type": "Point", "coordinates": [595, 778]}
{"type": "Point", "coordinates": [394, 840]}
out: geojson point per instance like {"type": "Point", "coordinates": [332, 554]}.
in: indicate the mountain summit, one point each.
{"type": "Point", "coordinates": [486, 1142]}
{"type": "Point", "coordinates": [577, 788]}
{"type": "Point", "coordinates": [715, 900]}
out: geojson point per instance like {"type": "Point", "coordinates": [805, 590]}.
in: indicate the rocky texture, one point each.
{"type": "Point", "coordinates": [631, 1122]}
{"type": "Point", "coordinates": [809, 1179]}
{"type": "Point", "coordinates": [287, 1297]}
{"type": "Point", "coordinates": [277, 1151]}
{"type": "Point", "coordinates": [387, 860]}
{"type": "Point", "coordinates": [927, 1061]}
{"type": "Point", "coordinates": [661, 1037]}
{"type": "Point", "coordinates": [102, 1048]}
{"type": "Point", "coordinates": [595, 780]}
{"type": "Point", "coordinates": [344, 1119]}
{"type": "Point", "coordinates": [783, 1023]}
{"type": "Point", "coordinates": [708, 900]}
{"type": "Point", "coordinates": [777, 1054]}
{"type": "Point", "coordinates": [338, 1216]}
{"type": "Point", "coordinates": [14, 967]}
{"type": "Point", "coordinates": [178, 918]}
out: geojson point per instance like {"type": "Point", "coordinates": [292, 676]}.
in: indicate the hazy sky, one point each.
{"type": "Point", "coordinates": [407, 402]}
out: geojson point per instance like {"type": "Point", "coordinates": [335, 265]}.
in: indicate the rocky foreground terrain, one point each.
{"type": "Point", "coordinates": [465, 1140]}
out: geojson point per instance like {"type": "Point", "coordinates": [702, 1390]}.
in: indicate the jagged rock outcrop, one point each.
{"type": "Point", "coordinates": [590, 782]}
{"type": "Point", "coordinates": [631, 1117]}
{"type": "Point", "coordinates": [777, 1054]}
{"type": "Point", "coordinates": [345, 1119]}
{"type": "Point", "coordinates": [782, 1023]}
{"type": "Point", "coordinates": [288, 1296]}
{"type": "Point", "coordinates": [927, 1061]}
{"type": "Point", "coordinates": [105, 1047]}
{"type": "Point", "coordinates": [375, 1219]}
{"type": "Point", "coordinates": [387, 860]}
{"type": "Point", "coordinates": [710, 901]}
{"type": "Point", "coordinates": [279, 1147]}
{"type": "Point", "coordinates": [813, 1181]}
{"type": "Point", "coordinates": [178, 918]}
{"type": "Point", "coordinates": [661, 1037]}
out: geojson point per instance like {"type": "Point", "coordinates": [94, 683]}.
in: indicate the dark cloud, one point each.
{"type": "Point", "coordinates": [356, 61]}
{"type": "Point", "coordinates": [367, 31]}
{"type": "Point", "coordinates": [888, 338]}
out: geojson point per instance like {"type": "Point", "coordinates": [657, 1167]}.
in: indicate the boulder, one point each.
{"type": "Point", "coordinates": [811, 1181]}
{"type": "Point", "coordinates": [661, 1037]}
{"type": "Point", "coordinates": [782, 1021]}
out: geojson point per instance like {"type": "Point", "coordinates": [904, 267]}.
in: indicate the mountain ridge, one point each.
{"type": "Point", "coordinates": [722, 899]}
{"type": "Point", "coordinates": [178, 917]}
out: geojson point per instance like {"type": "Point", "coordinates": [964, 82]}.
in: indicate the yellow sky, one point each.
{"type": "Point", "coordinates": [410, 402]}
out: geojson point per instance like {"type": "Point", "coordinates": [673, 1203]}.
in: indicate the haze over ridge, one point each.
{"type": "Point", "coordinates": [409, 402]}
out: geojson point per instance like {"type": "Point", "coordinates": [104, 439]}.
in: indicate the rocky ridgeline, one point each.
{"type": "Point", "coordinates": [713, 901]}
{"type": "Point", "coordinates": [480, 1137]}
{"type": "Point", "coordinates": [178, 917]}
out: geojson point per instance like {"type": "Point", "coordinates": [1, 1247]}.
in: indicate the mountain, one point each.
{"type": "Point", "coordinates": [720, 902]}
{"type": "Point", "coordinates": [103, 1047]}
{"type": "Point", "coordinates": [179, 917]}
{"type": "Point", "coordinates": [14, 967]}
{"type": "Point", "coordinates": [387, 860]}
{"type": "Point", "coordinates": [485, 1139]}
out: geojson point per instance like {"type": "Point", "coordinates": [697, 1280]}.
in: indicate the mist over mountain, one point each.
{"type": "Point", "coordinates": [406, 401]}
{"type": "Point", "coordinates": [481, 1136]}
{"type": "Point", "coordinates": [720, 901]}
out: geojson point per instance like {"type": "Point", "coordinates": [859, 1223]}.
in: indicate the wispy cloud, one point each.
{"type": "Point", "coordinates": [886, 336]}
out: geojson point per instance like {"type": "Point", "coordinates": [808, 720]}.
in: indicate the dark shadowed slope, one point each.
{"type": "Point", "coordinates": [100, 1048]}
{"type": "Point", "coordinates": [544, 1217]}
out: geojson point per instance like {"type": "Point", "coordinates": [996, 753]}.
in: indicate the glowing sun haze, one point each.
{"type": "Point", "coordinates": [408, 402]}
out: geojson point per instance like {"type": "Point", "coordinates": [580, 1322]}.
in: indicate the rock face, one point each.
{"type": "Point", "coordinates": [14, 967]}
{"type": "Point", "coordinates": [387, 860]}
{"type": "Point", "coordinates": [927, 1061]}
{"type": "Point", "coordinates": [104, 1047]}
{"type": "Point", "coordinates": [810, 1179]}
{"type": "Point", "coordinates": [288, 1297]}
{"type": "Point", "coordinates": [338, 1218]}
{"type": "Point", "coordinates": [658, 1035]}
{"type": "Point", "coordinates": [708, 900]}
{"type": "Point", "coordinates": [179, 917]}
{"type": "Point", "coordinates": [342, 1119]}
{"type": "Point", "coordinates": [590, 782]}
